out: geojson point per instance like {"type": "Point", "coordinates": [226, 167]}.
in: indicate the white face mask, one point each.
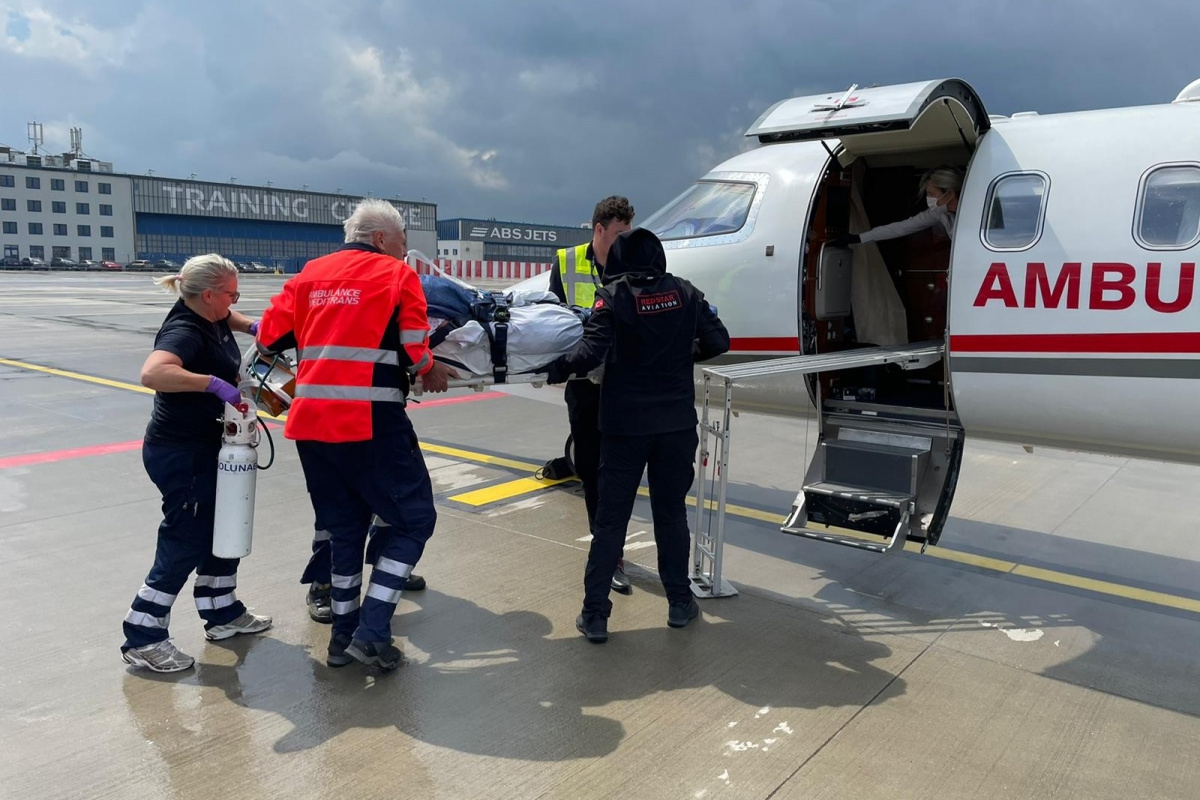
{"type": "Point", "coordinates": [932, 202]}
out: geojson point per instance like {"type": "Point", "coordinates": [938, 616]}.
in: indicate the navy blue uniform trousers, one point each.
{"type": "Point", "coordinates": [668, 459]}
{"type": "Point", "coordinates": [380, 488]}
{"type": "Point", "coordinates": [187, 479]}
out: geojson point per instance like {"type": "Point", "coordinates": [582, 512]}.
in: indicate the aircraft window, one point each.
{"type": "Point", "coordinates": [1169, 209]}
{"type": "Point", "coordinates": [1016, 208]}
{"type": "Point", "coordinates": [709, 208]}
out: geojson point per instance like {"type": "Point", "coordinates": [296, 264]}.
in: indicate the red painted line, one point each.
{"type": "Point", "coordinates": [1150, 343]}
{"type": "Point", "coordinates": [781, 344]}
{"type": "Point", "coordinates": [451, 401]}
{"type": "Point", "coordinates": [66, 455]}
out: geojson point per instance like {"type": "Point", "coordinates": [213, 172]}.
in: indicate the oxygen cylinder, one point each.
{"type": "Point", "coordinates": [237, 474]}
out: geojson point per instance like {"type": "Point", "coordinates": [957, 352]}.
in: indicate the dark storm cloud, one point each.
{"type": "Point", "coordinates": [533, 110]}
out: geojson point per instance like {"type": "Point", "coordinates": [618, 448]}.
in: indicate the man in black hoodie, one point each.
{"type": "Point", "coordinates": [648, 328]}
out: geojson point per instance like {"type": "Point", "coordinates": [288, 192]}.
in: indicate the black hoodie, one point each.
{"type": "Point", "coordinates": [648, 328]}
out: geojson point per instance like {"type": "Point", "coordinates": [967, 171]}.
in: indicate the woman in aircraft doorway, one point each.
{"type": "Point", "coordinates": [941, 187]}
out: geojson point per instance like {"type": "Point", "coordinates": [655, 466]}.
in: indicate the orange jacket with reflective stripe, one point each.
{"type": "Point", "coordinates": [357, 320]}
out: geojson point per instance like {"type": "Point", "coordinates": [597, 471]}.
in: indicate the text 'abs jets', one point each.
{"type": "Point", "coordinates": [1062, 310]}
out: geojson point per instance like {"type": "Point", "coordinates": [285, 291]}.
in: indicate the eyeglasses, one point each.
{"type": "Point", "coordinates": [234, 296]}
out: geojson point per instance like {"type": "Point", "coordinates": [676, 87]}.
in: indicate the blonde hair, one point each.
{"type": "Point", "coordinates": [948, 179]}
{"type": "Point", "coordinates": [199, 274]}
{"type": "Point", "coordinates": [370, 217]}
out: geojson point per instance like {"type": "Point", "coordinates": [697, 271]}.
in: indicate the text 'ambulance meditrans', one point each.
{"type": "Point", "coordinates": [358, 323]}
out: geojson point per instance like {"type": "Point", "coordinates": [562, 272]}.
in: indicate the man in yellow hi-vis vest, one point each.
{"type": "Point", "coordinates": [577, 273]}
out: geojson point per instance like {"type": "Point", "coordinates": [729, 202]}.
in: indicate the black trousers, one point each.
{"type": "Point", "coordinates": [669, 460]}
{"type": "Point", "coordinates": [583, 412]}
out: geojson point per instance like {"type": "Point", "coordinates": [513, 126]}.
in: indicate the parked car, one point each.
{"type": "Point", "coordinates": [164, 265]}
{"type": "Point", "coordinates": [141, 265]}
{"type": "Point", "coordinates": [12, 261]}
{"type": "Point", "coordinates": [58, 262]}
{"type": "Point", "coordinates": [243, 266]}
{"type": "Point", "coordinates": [89, 265]}
{"type": "Point", "coordinates": [33, 262]}
{"type": "Point", "coordinates": [258, 266]}
{"type": "Point", "coordinates": [110, 266]}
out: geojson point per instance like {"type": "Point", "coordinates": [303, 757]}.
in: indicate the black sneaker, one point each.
{"type": "Point", "coordinates": [620, 582]}
{"type": "Point", "coordinates": [319, 608]}
{"type": "Point", "coordinates": [385, 655]}
{"type": "Point", "coordinates": [414, 583]}
{"type": "Point", "coordinates": [595, 628]}
{"type": "Point", "coordinates": [337, 651]}
{"type": "Point", "coordinates": [680, 614]}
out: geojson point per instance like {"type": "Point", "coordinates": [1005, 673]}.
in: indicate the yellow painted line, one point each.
{"type": "Point", "coordinates": [516, 488]}
{"type": "Point", "coordinates": [482, 458]}
{"type": "Point", "coordinates": [76, 376]}
{"type": "Point", "coordinates": [505, 491]}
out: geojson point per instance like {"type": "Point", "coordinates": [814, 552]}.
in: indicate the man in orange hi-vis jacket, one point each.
{"type": "Point", "coordinates": [357, 320]}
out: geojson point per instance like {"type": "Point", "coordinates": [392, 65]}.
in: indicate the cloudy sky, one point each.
{"type": "Point", "coordinates": [528, 110]}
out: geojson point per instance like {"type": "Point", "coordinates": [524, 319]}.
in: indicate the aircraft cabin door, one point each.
{"type": "Point", "coordinates": [884, 471]}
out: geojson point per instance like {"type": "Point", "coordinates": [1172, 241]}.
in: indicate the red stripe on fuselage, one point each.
{"type": "Point", "coordinates": [1149, 343]}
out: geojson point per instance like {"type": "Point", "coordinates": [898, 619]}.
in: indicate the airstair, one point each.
{"type": "Point", "coordinates": [880, 474]}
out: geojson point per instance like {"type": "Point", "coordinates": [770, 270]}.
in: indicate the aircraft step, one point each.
{"type": "Point", "coordinates": [876, 497]}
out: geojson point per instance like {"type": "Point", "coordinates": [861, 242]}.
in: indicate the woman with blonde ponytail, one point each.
{"type": "Point", "coordinates": [193, 371]}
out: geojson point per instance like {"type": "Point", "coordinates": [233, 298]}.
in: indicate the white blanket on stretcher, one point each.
{"type": "Point", "coordinates": [537, 335]}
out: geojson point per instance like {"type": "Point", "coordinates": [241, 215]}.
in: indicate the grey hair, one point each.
{"type": "Point", "coordinates": [371, 217]}
{"type": "Point", "coordinates": [199, 274]}
{"type": "Point", "coordinates": [948, 179]}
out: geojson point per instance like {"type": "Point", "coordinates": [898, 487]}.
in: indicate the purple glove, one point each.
{"type": "Point", "coordinates": [224, 390]}
{"type": "Point", "coordinates": [254, 328]}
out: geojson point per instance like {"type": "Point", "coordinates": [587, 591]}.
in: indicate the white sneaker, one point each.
{"type": "Point", "coordinates": [246, 623]}
{"type": "Point", "coordinates": [161, 656]}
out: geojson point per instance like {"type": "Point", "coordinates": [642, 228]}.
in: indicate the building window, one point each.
{"type": "Point", "coordinates": [456, 251]}
{"type": "Point", "coordinates": [106, 231]}
{"type": "Point", "coordinates": [1015, 210]}
{"type": "Point", "coordinates": [109, 253]}
{"type": "Point", "coordinates": [1168, 216]}
{"type": "Point", "coordinates": [8, 204]}
{"type": "Point", "coordinates": [58, 207]}
{"type": "Point", "coordinates": [84, 230]}
{"type": "Point", "coordinates": [85, 253]}
{"type": "Point", "coordinates": [58, 185]}
{"type": "Point", "coordinates": [34, 206]}
{"type": "Point", "coordinates": [37, 251]}
{"type": "Point", "coordinates": [81, 186]}
{"type": "Point", "coordinates": [35, 229]}
{"type": "Point", "coordinates": [60, 230]}
{"type": "Point", "coordinates": [33, 183]}
{"type": "Point", "coordinates": [61, 251]}
{"type": "Point", "coordinates": [7, 180]}
{"type": "Point", "coordinates": [105, 211]}
{"type": "Point", "coordinates": [10, 227]}
{"type": "Point", "coordinates": [83, 208]}
{"type": "Point", "coordinates": [106, 188]}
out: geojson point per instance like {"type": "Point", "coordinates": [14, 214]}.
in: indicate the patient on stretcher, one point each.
{"type": "Point", "coordinates": [495, 334]}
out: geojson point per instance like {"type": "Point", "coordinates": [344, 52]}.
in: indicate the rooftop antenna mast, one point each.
{"type": "Point", "coordinates": [77, 142]}
{"type": "Point", "coordinates": [36, 137]}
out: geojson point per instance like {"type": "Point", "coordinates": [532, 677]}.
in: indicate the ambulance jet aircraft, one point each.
{"type": "Point", "coordinates": [1063, 312]}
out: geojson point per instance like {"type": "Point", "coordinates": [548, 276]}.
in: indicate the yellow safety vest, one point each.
{"type": "Point", "coordinates": [577, 271]}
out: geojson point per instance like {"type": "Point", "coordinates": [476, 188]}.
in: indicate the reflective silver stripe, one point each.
{"type": "Point", "coordinates": [144, 620]}
{"type": "Point", "coordinates": [217, 581]}
{"type": "Point", "coordinates": [383, 593]}
{"type": "Point", "coordinates": [378, 522]}
{"type": "Point", "coordinates": [213, 603]}
{"type": "Point", "coordinates": [321, 536]}
{"type": "Point", "coordinates": [336, 352]}
{"type": "Point", "coordinates": [347, 581]}
{"type": "Point", "coordinates": [425, 359]}
{"type": "Point", "coordinates": [344, 606]}
{"type": "Point", "coordinates": [375, 394]}
{"type": "Point", "coordinates": [391, 567]}
{"type": "Point", "coordinates": [155, 596]}
{"type": "Point", "coordinates": [567, 270]}
{"type": "Point", "coordinates": [413, 337]}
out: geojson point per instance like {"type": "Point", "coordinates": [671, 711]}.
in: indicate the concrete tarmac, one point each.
{"type": "Point", "coordinates": [1049, 650]}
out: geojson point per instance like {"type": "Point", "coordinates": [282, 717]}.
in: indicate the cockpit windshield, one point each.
{"type": "Point", "coordinates": [708, 208]}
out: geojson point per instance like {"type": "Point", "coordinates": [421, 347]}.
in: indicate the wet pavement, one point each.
{"type": "Point", "coordinates": [1049, 652]}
